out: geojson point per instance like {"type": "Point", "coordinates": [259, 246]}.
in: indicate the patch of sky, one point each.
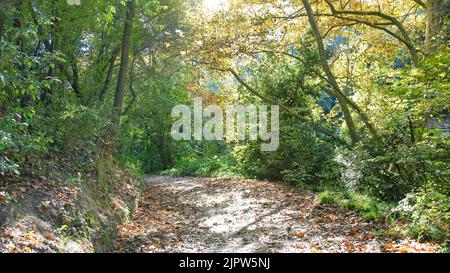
{"type": "Point", "coordinates": [212, 86]}
{"type": "Point", "coordinates": [327, 102]}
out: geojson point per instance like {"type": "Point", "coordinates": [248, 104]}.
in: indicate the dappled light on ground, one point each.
{"type": "Point", "coordinates": [223, 215]}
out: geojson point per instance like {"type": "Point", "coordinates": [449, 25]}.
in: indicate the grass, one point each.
{"type": "Point", "coordinates": [327, 197]}
{"type": "Point", "coordinates": [426, 223]}
{"type": "Point", "coordinates": [369, 208]}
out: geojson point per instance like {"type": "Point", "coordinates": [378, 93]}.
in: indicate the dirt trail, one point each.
{"type": "Point", "coordinates": [222, 215]}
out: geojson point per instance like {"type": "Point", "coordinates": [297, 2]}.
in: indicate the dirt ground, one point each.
{"type": "Point", "coordinates": [180, 214]}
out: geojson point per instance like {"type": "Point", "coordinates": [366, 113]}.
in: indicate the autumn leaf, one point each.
{"type": "Point", "coordinates": [49, 236]}
{"type": "Point", "coordinates": [404, 250]}
{"type": "Point", "coordinates": [2, 196]}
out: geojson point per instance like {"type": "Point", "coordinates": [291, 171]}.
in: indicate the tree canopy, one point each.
{"type": "Point", "coordinates": [362, 86]}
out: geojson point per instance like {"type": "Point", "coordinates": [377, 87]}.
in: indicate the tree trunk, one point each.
{"type": "Point", "coordinates": [121, 81]}
{"type": "Point", "coordinates": [75, 78]}
{"type": "Point", "coordinates": [2, 19]}
{"type": "Point", "coordinates": [109, 75]}
{"type": "Point", "coordinates": [437, 10]}
{"type": "Point", "coordinates": [354, 135]}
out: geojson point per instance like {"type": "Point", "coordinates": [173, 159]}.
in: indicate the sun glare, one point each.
{"type": "Point", "coordinates": [214, 5]}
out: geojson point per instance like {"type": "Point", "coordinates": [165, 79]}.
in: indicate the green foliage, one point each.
{"type": "Point", "coordinates": [390, 172]}
{"type": "Point", "coordinates": [80, 133]}
{"type": "Point", "coordinates": [207, 159]}
{"type": "Point", "coordinates": [146, 143]}
{"type": "Point", "coordinates": [20, 143]}
{"type": "Point", "coordinates": [427, 213]}
{"type": "Point", "coordinates": [413, 153]}
{"type": "Point", "coordinates": [54, 61]}
{"type": "Point", "coordinates": [327, 197]}
{"type": "Point", "coordinates": [369, 208]}
{"type": "Point", "coordinates": [21, 80]}
{"type": "Point", "coordinates": [305, 155]}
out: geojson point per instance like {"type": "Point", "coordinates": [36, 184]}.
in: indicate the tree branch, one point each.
{"type": "Point", "coordinates": [132, 91]}
{"type": "Point", "coordinates": [421, 3]}
{"type": "Point", "coordinates": [405, 36]}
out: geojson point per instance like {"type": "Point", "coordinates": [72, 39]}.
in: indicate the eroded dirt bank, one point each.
{"type": "Point", "coordinates": [58, 213]}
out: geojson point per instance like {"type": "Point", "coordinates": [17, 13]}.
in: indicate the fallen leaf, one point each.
{"type": "Point", "coordinates": [2, 196]}
{"type": "Point", "coordinates": [404, 250]}
{"type": "Point", "coordinates": [49, 236]}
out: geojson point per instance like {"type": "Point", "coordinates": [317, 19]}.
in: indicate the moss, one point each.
{"type": "Point", "coordinates": [107, 239]}
{"type": "Point", "coordinates": [102, 179]}
{"type": "Point", "coordinates": [96, 218]}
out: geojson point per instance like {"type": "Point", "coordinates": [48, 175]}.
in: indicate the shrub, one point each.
{"type": "Point", "coordinates": [197, 165]}
{"type": "Point", "coordinates": [390, 171]}
{"type": "Point", "coordinates": [428, 214]}
{"type": "Point", "coordinates": [21, 142]}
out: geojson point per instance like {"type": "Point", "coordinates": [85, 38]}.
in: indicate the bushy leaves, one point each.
{"type": "Point", "coordinates": [20, 144]}
{"type": "Point", "coordinates": [428, 213]}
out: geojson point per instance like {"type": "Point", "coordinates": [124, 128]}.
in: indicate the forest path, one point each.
{"type": "Point", "coordinates": [180, 214]}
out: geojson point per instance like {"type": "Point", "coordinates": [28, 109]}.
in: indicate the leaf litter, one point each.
{"type": "Point", "coordinates": [186, 215]}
